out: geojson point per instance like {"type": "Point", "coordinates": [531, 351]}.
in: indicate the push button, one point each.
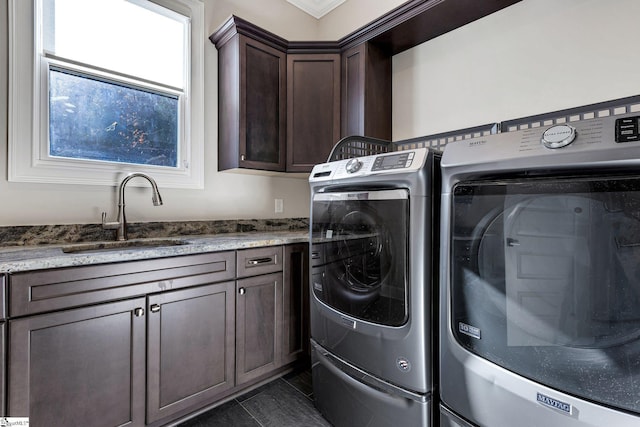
{"type": "Point", "coordinates": [627, 129]}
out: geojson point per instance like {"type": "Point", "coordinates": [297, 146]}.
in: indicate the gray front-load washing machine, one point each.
{"type": "Point", "coordinates": [373, 286]}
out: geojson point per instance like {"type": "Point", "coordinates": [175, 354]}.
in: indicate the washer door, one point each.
{"type": "Point", "coordinates": [362, 237]}
{"type": "Point", "coordinates": [545, 281]}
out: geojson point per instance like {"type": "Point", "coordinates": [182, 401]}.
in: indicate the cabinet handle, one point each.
{"type": "Point", "coordinates": [154, 308]}
{"type": "Point", "coordinates": [243, 157]}
{"type": "Point", "coordinates": [258, 261]}
{"type": "Point", "coordinates": [138, 312]}
{"type": "Point", "coordinates": [242, 291]}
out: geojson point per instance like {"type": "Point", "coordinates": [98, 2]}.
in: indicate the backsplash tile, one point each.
{"type": "Point", "coordinates": [77, 233]}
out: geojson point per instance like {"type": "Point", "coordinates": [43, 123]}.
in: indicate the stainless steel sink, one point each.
{"type": "Point", "coordinates": [122, 245]}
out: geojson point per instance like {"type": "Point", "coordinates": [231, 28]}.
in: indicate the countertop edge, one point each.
{"type": "Point", "coordinates": [14, 259]}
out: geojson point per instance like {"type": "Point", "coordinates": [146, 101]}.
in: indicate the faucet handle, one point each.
{"type": "Point", "coordinates": [108, 225]}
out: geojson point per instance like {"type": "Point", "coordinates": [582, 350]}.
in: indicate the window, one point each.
{"type": "Point", "coordinates": [118, 90]}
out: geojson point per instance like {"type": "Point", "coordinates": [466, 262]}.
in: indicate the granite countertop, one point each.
{"type": "Point", "coordinates": [25, 258]}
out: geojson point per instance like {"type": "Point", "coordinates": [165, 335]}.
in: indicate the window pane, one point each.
{"type": "Point", "coordinates": [99, 120]}
{"type": "Point", "coordinates": [119, 36]}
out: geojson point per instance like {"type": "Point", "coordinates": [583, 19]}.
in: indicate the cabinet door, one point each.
{"type": "Point", "coordinates": [262, 106]}
{"type": "Point", "coordinates": [295, 295]}
{"type": "Point", "coordinates": [3, 367]}
{"type": "Point", "coordinates": [366, 92]}
{"type": "Point", "coordinates": [82, 367]}
{"type": "Point", "coordinates": [258, 326]}
{"type": "Point", "coordinates": [313, 109]}
{"type": "Point", "coordinates": [190, 347]}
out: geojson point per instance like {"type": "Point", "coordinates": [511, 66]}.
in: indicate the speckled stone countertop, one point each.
{"type": "Point", "coordinates": [25, 258]}
{"type": "Point", "coordinates": [41, 247]}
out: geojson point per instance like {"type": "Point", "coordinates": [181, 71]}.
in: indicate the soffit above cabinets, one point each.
{"type": "Point", "coordinates": [317, 8]}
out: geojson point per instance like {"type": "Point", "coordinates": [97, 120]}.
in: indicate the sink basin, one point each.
{"type": "Point", "coordinates": [122, 245]}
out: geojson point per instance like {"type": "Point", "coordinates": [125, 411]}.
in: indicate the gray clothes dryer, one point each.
{"type": "Point", "coordinates": [540, 277]}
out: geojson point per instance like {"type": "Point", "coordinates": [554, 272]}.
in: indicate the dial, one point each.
{"type": "Point", "coordinates": [353, 165]}
{"type": "Point", "coordinates": [558, 136]}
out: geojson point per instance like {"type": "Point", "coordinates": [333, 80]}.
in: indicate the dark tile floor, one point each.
{"type": "Point", "coordinates": [285, 402]}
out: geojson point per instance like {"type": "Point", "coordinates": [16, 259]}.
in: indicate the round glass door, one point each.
{"type": "Point", "coordinates": [363, 240]}
{"type": "Point", "coordinates": [545, 281]}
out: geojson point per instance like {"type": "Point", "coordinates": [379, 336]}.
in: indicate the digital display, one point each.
{"type": "Point", "coordinates": [391, 162]}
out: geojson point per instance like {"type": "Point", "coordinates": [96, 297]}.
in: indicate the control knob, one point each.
{"type": "Point", "coordinates": [558, 136]}
{"type": "Point", "coordinates": [353, 165]}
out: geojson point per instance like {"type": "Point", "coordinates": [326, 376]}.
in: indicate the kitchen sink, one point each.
{"type": "Point", "coordinates": [122, 245]}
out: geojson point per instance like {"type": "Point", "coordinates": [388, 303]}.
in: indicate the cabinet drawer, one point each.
{"type": "Point", "coordinates": [252, 262]}
{"type": "Point", "coordinates": [60, 288]}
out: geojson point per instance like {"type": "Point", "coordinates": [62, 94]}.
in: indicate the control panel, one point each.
{"type": "Point", "coordinates": [609, 138]}
{"type": "Point", "coordinates": [395, 162]}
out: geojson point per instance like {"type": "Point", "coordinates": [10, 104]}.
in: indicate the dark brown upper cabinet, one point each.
{"type": "Point", "coordinates": [251, 103]}
{"type": "Point", "coordinates": [366, 92]}
{"type": "Point", "coordinates": [279, 102]}
{"type": "Point", "coordinates": [313, 108]}
{"type": "Point", "coordinates": [283, 105]}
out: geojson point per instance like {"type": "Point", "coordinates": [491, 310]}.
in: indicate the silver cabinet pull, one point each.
{"type": "Point", "coordinates": [258, 261]}
{"type": "Point", "coordinates": [154, 308]}
{"type": "Point", "coordinates": [138, 312]}
{"type": "Point", "coordinates": [242, 291]}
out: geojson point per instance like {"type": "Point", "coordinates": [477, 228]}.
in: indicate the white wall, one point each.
{"type": "Point", "coordinates": [533, 57]}
{"type": "Point", "coordinates": [226, 195]}
{"type": "Point", "coordinates": [352, 15]}
{"type": "Point", "coordinates": [276, 16]}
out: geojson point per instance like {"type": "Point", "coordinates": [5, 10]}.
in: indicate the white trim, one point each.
{"type": "Point", "coordinates": [316, 8]}
{"type": "Point", "coordinates": [27, 74]}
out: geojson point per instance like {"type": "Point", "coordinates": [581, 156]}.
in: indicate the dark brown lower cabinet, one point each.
{"type": "Point", "coordinates": [295, 333]}
{"type": "Point", "coordinates": [190, 347]}
{"type": "Point", "coordinates": [81, 367]}
{"type": "Point", "coordinates": [258, 326]}
{"type": "Point", "coordinates": [3, 367]}
{"type": "Point", "coordinates": [192, 335]}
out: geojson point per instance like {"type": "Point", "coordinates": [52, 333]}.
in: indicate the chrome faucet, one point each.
{"type": "Point", "coordinates": [121, 222]}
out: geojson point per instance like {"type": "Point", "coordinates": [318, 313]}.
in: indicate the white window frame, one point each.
{"type": "Point", "coordinates": [28, 159]}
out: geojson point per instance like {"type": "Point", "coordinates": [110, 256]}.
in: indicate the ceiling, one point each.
{"type": "Point", "coordinates": [317, 8]}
